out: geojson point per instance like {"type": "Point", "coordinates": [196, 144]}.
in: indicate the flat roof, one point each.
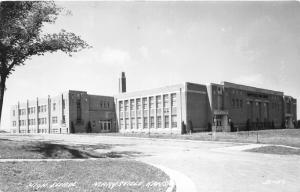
{"type": "Point", "coordinates": [252, 89]}
{"type": "Point", "coordinates": [150, 91]}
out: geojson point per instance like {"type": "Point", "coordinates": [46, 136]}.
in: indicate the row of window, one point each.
{"type": "Point", "coordinates": [31, 110]}
{"type": "Point", "coordinates": [151, 112]}
{"type": "Point", "coordinates": [42, 108]}
{"type": "Point", "coordinates": [43, 130]}
{"type": "Point", "coordinates": [32, 131]}
{"type": "Point", "coordinates": [41, 121]}
{"type": "Point", "coordinates": [137, 122]}
{"type": "Point", "coordinates": [104, 104]}
{"type": "Point", "coordinates": [237, 103]}
{"type": "Point", "coordinates": [105, 125]}
{"type": "Point", "coordinates": [148, 102]}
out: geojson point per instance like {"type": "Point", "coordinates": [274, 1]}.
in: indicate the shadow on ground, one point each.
{"type": "Point", "coordinates": [60, 151]}
{"type": "Point", "coordinates": [14, 148]}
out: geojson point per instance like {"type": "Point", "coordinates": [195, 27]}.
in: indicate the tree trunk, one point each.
{"type": "Point", "coordinates": [2, 89]}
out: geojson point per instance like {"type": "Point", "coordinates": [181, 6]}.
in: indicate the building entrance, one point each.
{"type": "Point", "coordinates": [220, 121]}
{"type": "Point", "coordinates": [289, 123]}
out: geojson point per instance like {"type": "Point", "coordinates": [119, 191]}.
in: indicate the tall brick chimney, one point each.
{"type": "Point", "coordinates": [122, 83]}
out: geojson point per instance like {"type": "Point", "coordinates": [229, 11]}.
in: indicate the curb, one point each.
{"type": "Point", "coordinates": [172, 187]}
{"type": "Point", "coordinates": [172, 183]}
{"type": "Point", "coordinates": [182, 182]}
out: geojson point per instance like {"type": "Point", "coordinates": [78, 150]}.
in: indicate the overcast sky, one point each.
{"type": "Point", "coordinates": [164, 43]}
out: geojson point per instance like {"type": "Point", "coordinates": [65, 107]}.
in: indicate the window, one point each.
{"type": "Point", "coordinates": [122, 123]}
{"type": "Point", "coordinates": [54, 120]}
{"type": "Point", "coordinates": [166, 101]}
{"type": "Point", "coordinates": [22, 111]}
{"type": "Point", "coordinates": [138, 104]}
{"type": "Point", "coordinates": [151, 122]}
{"type": "Point", "coordinates": [151, 102]}
{"type": "Point", "coordinates": [166, 111]}
{"type": "Point", "coordinates": [158, 121]}
{"type": "Point", "coordinates": [42, 121]}
{"type": "Point", "coordinates": [241, 103]}
{"type": "Point", "coordinates": [166, 121]}
{"type": "Point", "coordinates": [108, 125]}
{"type": "Point", "coordinates": [132, 106]}
{"type": "Point", "coordinates": [233, 103]}
{"type": "Point", "coordinates": [78, 107]}
{"type": "Point", "coordinates": [174, 121]}
{"type": "Point", "coordinates": [14, 113]}
{"type": "Point", "coordinates": [145, 104]}
{"type": "Point", "coordinates": [132, 123]}
{"type": "Point", "coordinates": [237, 103]}
{"type": "Point", "coordinates": [126, 123]}
{"type": "Point", "coordinates": [126, 104]}
{"type": "Point", "coordinates": [42, 108]}
{"type": "Point", "coordinates": [54, 106]}
{"type": "Point", "coordinates": [14, 123]}
{"type": "Point", "coordinates": [105, 126]}
{"type": "Point", "coordinates": [158, 101]}
{"type": "Point", "coordinates": [121, 107]}
{"type": "Point", "coordinates": [139, 122]}
{"type": "Point", "coordinates": [31, 110]}
{"type": "Point", "coordinates": [173, 100]}
{"type": "Point", "coordinates": [145, 122]}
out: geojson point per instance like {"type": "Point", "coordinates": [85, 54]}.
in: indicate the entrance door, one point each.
{"type": "Point", "coordinates": [289, 123]}
{"type": "Point", "coordinates": [221, 122]}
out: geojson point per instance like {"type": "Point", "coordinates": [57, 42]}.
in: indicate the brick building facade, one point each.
{"type": "Point", "coordinates": [250, 107]}
{"type": "Point", "coordinates": [72, 111]}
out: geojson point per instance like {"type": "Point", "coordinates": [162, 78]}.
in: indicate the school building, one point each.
{"type": "Point", "coordinates": [170, 109]}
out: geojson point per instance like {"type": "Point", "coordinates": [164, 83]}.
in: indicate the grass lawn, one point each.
{"type": "Point", "coordinates": [10, 149]}
{"type": "Point", "coordinates": [276, 150]}
{"type": "Point", "coordinates": [91, 175]}
{"type": "Point", "coordinates": [109, 172]}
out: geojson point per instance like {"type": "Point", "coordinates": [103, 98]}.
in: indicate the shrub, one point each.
{"type": "Point", "coordinates": [232, 126]}
{"type": "Point", "coordinates": [72, 128]}
{"type": "Point", "coordinates": [248, 125]}
{"type": "Point", "coordinates": [190, 127]}
{"type": "Point", "coordinates": [89, 127]}
{"type": "Point", "coordinates": [273, 125]}
{"type": "Point", "coordinates": [183, 128]}
{"type": "Point", "coordinates": [209, 126]}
